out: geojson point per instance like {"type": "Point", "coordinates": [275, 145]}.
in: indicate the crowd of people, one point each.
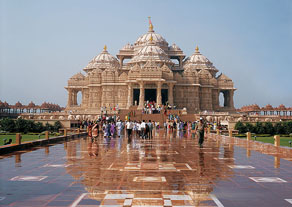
{"type": "Point", "coordinates": [113, 126]}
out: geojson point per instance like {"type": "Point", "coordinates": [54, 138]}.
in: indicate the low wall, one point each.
{"type": "Point", "coordinates": [41, 142]}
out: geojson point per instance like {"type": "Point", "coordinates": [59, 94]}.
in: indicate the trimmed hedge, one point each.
{"type": "Point", "coordinates": [267, 128]}
{"type": "Point", "coordinates": [24, 126]}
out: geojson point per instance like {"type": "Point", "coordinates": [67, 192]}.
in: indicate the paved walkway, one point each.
{"type": "Point", "coordinates": [169, 170]}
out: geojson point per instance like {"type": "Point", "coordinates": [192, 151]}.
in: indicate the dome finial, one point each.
{"type": "Point", "coordinates": [104, 48]}
{"type": "Point", "coordinates": [150, 25]}
{"type": "Point", "coordinates": [151, 38]}
{"type": "Point", "coordinates": [197, 48]}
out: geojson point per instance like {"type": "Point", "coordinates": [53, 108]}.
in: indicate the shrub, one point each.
{"type": "Point", "coordinates": [269, 128]}
{"type": "Point", "coordinates": [240, 127]}
{"type": "Point", "coordinates": [7, 125]}
{"type": "Point", "coordinates": [249, 127]}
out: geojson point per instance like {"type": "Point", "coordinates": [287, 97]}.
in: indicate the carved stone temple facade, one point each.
{"type": "Point", "coordinates": [151, 70]}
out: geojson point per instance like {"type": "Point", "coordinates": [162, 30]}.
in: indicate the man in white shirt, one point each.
{"type": "Point", "coordinates": [143, 127]}
{"type": "Point", "coordinates": [129, 127]}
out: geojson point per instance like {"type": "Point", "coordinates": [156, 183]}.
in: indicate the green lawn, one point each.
{"type": "Point", "coordinates": [25, 138]}
{"type": "Point", "coordinates": [284, 141]}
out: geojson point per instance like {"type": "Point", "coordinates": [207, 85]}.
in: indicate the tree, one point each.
{"type": "Point", "coordinates": [279, 128]}
{"type": "Point", "coordinates": [20, 125]}
{"type": "Point", "coordinates": [259, 128]}
{"type": "Point", "coordinates": [269, 128]}
{"type": "Point", "coordinates": [39, 127]}
{"type": "Point", "coordinates": [7, 124]}
{"type": "Point", "coordinates": [240, 127]}
{"type": "Point", "coordinates": [287, 127]}
{"type": "Point", "coordinates": [249, 127]}
{"type": "Point", "coordinates": [57, 126]}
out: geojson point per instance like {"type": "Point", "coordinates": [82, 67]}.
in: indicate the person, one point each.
{"type": "Point", "coordinates": [113, 129]}
{"type": "Point", "coordinates": [119, 127]}
{"type": "Point", "coordinates": [95, 130]}
{"type": "Point", "coordinates": [200, 127]}
{"type": "Point", "coordinates": [139, 128]}
{"type": "Point", "coordinates": [143, 127]}
{"type": "Point", "coordinates": [129, 126]}
{"type": "Point", "coordinates": [150, 125]}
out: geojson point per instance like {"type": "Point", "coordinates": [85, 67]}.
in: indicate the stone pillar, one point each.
{"type": "Point", "coordinates": [46, 134]}
{"type": "Point", "coordinates": [18, 138]}
{"type": "Point", "coordinates": [65, 132]}
{"type": "Point", "coordinates": [158, 98]}
{"type": "Point", "coordinates": [231, 102]}
{"type": "Point", "coordinates": [130, 95]}
{"type": "Point", "coordinates": [170, 94]}
{"type": "Point", "coordinates": [248, 136]}
{"type": "Point", "coordinates": [141, 98]}
{"type": "Point", "coordinates": [180, 61]}
{"type": "Point", "coordinates": [277, 140]}
{"type": "Point", "coordinates": [75, 98]}
{"type": "Point", "coordinates": [69, 102]}
{"type": "Point", "coordinates": [230, 132]}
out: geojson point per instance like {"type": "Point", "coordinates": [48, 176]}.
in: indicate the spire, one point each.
{"type": "Point", "coordinates": [150, 25]}
{"type": "Point", "coordinates": [104, 48]}
{"type": "Point", "coordinates": [197, 48]}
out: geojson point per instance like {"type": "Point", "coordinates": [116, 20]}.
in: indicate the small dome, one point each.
{"type": "Point", "coordinates": [78, 76]}
{"type": "Point", "coordinates": [128, 47]}
{"type": "Point", "coordinates": [199, 61]}
{"type": "Point", "coordinates": [103, 60]}
{"type": "Point", "coordinates": [18, 104]}
{"type": "Point", "coordinates": [174, 47]}
{"type": "Point", "coordinates": [31, 104]}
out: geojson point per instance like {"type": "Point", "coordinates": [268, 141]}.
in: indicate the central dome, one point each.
{"type": "Point", "coordinates": [151, 52]}
{"type": "Point", "coordinates": [155, 38]}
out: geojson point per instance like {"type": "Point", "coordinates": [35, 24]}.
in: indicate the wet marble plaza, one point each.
{"type": "Point", "coordinates": [168, 170]}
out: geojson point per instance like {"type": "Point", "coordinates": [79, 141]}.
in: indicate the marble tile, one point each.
{"type": "Point", "coordinates": [57, 165]}
{"type": "Point", "coordinates": [178, 197]}
{"type": "Point", "coordinates": [28, 178]}
{"type": "Point", "coordinates": [241, 167]}
{"type": "Point", "coordinates": [119, 196]}
{"type": "Point", "coordinates": [267, 180]}
{"type": "Point", "coordinates": [149, 179]}
{"type": "Point", "coordinates": [128, 202]}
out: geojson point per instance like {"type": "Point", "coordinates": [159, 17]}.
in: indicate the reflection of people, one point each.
{"type": "Point", "coordinates": [201, 163]}
{"type": "Point", "coordinates": [200, 127]}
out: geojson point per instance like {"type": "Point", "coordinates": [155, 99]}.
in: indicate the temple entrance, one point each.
{"type": "Point", "coordinates": [136, 95]}
{"type": "Point", "coordinates": [150, 95]}
{"type": "Point", "coordinates": [164, 96]}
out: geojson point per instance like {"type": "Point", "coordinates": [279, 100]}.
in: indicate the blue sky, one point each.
{"type": "Point", "coordinates": [43, 43]}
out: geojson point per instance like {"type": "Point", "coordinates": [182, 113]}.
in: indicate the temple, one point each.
{"type": "Point", "coordinates": [150, 70]}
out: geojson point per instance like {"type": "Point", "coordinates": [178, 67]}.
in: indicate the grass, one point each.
{"type": "Point", "coordinates": [25, 138]}
{"type": "Point", "coordinates": [284, 141]}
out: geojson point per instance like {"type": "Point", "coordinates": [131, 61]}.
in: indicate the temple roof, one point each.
{"type": "Point", "coordinates": [151, 52]}
{"type": "Point", "coordinates": [103, 60]}
{"type": "Point", "coordinates": [199, 61]}
{"type": "Point", "coordinates": [78, 76]}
